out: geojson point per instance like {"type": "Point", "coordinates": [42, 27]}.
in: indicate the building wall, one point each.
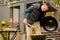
{"type": "Point", "coordinates": [31, 1]}
{"type": "Point", "coordinates": [4, 12]}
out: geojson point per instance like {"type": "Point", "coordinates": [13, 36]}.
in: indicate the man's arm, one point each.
{"type": "Point", "coordinates": [25, 12]}
{"type": "Point", "coordinates": [28, 10]}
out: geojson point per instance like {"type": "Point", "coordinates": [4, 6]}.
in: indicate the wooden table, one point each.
{"type": "Point", "coordinates": [9, 30]}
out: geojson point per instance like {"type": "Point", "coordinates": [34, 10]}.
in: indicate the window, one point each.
{"type": "Point", "coordinates": [15, 15]}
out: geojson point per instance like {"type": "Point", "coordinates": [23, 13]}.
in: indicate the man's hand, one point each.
{"type": "Point", "coordinates": [25, 21]}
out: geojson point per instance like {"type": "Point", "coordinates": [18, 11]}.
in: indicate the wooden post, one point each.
{"type": "Point", "coordinates": [11, 16]}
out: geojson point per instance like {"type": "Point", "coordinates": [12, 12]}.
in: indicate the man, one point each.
{"type": "Point", "coordinates": [33, 14]}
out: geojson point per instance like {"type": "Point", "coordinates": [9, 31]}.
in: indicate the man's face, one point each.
{"type": "Point", "coordinates": [44, 7]}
